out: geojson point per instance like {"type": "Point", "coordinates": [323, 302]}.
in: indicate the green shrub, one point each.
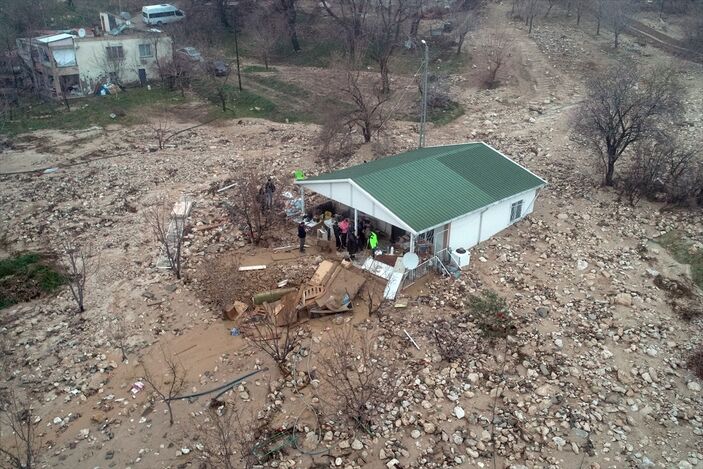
{"type": "Point", "coordinates": [490, 313]}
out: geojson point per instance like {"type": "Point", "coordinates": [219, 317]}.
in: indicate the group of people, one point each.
{"type": "Point", "coordinates": [345, 237]}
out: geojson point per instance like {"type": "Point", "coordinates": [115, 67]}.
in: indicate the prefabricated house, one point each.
{"type": "Point", "coordinates": [439, 198]}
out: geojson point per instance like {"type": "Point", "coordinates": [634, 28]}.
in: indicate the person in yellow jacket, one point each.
{"type": "Point", "coordinates": [373, 242]}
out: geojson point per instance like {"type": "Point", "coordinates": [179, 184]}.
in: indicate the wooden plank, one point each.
{"type": "Point", "coordinates": [323, 270]}
{"type": "Point", "coordinates": [246, 268]}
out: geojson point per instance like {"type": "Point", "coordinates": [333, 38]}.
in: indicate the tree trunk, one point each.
{"type": "Point", "coordinates": [385, 80]}
{"type": "Point", "coordinates": [460, 44]}
{"type": "Point", "coordinates": [578, 14]}
{"type": "Point", "coordinates": [617, 35]}
{"type": "Point", "coordinates": [610, 172]}
{"type": "Point", "coordinates": [291, 17]}
{"type": "Point", "coordinates": [598, 26]}
{"type": "Point", "coordinates": [170, 413]}
{"type": "Point", "coordinates": [366, 131]}
{"type": "Point", "coordinates": [532, 17]}
{"type": "Point", "coordinates": [236, 50]}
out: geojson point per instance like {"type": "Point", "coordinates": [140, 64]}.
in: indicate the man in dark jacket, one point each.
{"type": "Point", "coordinates": [301, 236]}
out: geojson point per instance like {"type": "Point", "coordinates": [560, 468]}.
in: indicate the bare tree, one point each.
{"type": "Point", "coordinates": [120, 332]}
{"type": "Point", "coordinates": [351, 367]}
{"type": "Point", "coordinates": [291, 14]}
{"type": "Point", "coordinates": [351, 15]}
{"type": "Point", "coordinates": [21, 448]}
{"type": "Point", "coordinates": [161, 129]}
{"type": "Point", "coordinates": [168, 231]}
{"type": "Point", "coordinates": [598, 12]}
{"type": "Point", "coordinates": [366, 112]}
{"type": "Point", "coordinates": [276, 342]}
{"type": "Point", "coordinates": [617, 12]}
{"type": "Point", "coordinates": [466, 20]}
{"type": "Point", "coordinates": [579, 10]}
{"type": "Point", "coordinates": [228, 438]}
{"type": "Point", "coordinates": [249, 205]}
{"type": "Point", "coordinates": [79, 264]}
{"type": "Point", "coordinates": [496, 48]}
{"type": "Point", "coordinates": [265, 32]}
{"type": "Point", "coordinates": [335, 138]}
{"type": "Point", "coordinates": [385, 28]}
{"type": "Point", "coordinates": [663, 167]}
{"type": "Point", "coordinates": [167, 382]}
{"type": "Point", "coordinates": [532, 10]}
{"type": "Point", "coordinates": [625, 105]}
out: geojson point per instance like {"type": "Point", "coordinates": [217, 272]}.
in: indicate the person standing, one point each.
{"type": "Point", "coordinates": [344, 229]}
{"type": "Point", "coordinates": [373, 243]}
{"type": "Point", "coordinates": [337, 238]}
{"type": "Point", "coordinates": [269, 189]}
{"type": "Point", "coordinates": [301, 235]}
{"type": "Point", "coordinates": [352, 244]}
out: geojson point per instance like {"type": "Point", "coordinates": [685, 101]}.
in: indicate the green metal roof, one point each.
{"type": "Point", "coordinates": [433, 185]}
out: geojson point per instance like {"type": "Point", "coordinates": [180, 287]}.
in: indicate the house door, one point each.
{"type": "Point", "coordinates": [142, 76]}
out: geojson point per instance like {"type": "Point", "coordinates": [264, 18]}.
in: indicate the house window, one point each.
{"type": "Point", "coordinates": [115, 53]}
{"type": "Point", "coordinates": [144, 50]}
{"type": "Point", "coordinates": [515, 211]}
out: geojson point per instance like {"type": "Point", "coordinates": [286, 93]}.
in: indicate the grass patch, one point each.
{"type": "Point", "coordinates": [90, 111]}
{"type": "Point", "coordinates": [257, 69]}
{"type": "Point", "coordinates": [26, 277]}
{"type": "Point", "coordinates": [680, 249]}
{"type": "Point", "coordinates": [246, 103]}
{"type": "Point", "coordinates": [445, 116]}
{"type": "Point", "coordinates": [281, 86]}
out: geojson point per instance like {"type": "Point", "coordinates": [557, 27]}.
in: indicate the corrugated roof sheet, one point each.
{"type": "Point", "coordinates": [430, 186]}
{"type": "Point", "coordinates": [54, 38]}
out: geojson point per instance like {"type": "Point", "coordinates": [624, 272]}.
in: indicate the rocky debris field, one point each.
{"type": "Point", "coordinates": [591, 372]}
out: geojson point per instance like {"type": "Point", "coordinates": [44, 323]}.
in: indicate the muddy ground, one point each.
{"type": "Point", "coordinates": [593, 377]}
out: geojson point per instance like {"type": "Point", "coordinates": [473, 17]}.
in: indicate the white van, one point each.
{"type": "Point", "coordinates": [161, 14]}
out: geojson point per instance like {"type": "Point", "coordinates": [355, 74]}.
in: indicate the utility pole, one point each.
{"type": "Point", "coordinates": [423, 115]}
{"type": "Point", "coordinates": [236, 49]}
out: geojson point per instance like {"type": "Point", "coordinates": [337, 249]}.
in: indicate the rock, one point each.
{"type": "Point", "coordinates": [84, 433]}
{"type": "Point", "coordinates": [415, 433]}
{"type": "Point", "coordinates": [683, 464]}
{"type": "Point", "coordinates": [563, 216]}
{"type": "Point", "coordinates": [473, 378]}
{"type": "Point", "coordinates": [581, 264]}
{"type": "Point", "coordinates": [338, 461]}
{"type": "Point", "coordinates": [559, 441]}
{"type": "Point", "coordinates": [344, 444]}
{"type": "Point", "coordinates": [623, 299]}
{"type": "Point", "coordinates": [392, 463]}
{"type": "Point", "coordinates": [545, 390]}
{"type": "Point", "coordinates": [185, 451]}
{"type": "Point", "coordinates": [459, 412]}
{"type": "Point", "coordinates": [329, 436]}
{"type": "Point", "coordinates": [694, 386]}
{"type": "Point", "coordinates": [559, 343]}
{"type": "Point", "coordinates": [429, 427]}
{"type": "Point", "coordinates": [357, 445]}
{"type": "Point", "coordinates": [485, 435]}
{"type": "Point", "coordinates": [382, 454]}
{"type": "Point", "coordinates": [542, 312]}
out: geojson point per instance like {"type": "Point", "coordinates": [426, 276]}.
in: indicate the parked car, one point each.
{"type": "Point", "coordinates": [219, 68]}
{"type": "Point", "coordinates": [190, 53]}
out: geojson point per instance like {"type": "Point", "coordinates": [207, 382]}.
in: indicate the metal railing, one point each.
{"type": "Point", "coordinates": [435, 263]}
